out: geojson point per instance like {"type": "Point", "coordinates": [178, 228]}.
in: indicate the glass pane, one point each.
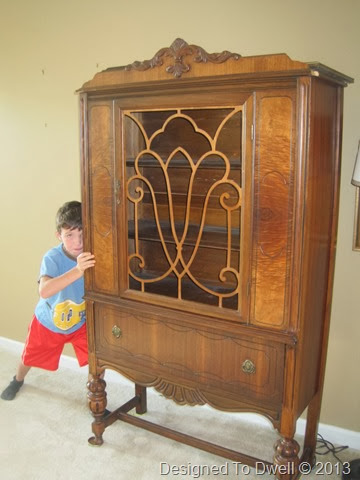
{"type": "Point", "coordinates": [184, 203]}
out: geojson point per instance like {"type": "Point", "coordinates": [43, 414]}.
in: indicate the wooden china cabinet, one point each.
{"type": "Point", "coordinates": [210, 187]}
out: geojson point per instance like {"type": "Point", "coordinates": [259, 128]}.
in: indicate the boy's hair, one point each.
{"type": "Point", "coordinates": [69, 216]}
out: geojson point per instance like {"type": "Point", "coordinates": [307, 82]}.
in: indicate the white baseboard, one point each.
{"type": "Point", "coordinates": [332, 433]}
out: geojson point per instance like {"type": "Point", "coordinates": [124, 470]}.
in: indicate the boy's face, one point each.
{"type": "Point", "coordinates": [72, 240]}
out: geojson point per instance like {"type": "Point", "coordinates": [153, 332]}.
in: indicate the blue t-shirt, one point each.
{"type": "Point", "coordinates": [63, 312]}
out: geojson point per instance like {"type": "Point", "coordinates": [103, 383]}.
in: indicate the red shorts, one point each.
{"type": "Point", "coordinates": [43, 347]}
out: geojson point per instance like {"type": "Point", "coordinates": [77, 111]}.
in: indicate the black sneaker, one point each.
{"type": "Point", "coordinates": [11, 390]}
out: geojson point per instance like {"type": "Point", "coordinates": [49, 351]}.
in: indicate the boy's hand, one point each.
{"type": "Point", "coordinates": [84, 261]}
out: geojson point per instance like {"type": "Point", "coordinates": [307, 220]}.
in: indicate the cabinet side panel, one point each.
{"type": "Point", "coordinates": [321, 200]}
{"type": "Point", "coordinates": [272, 213]}
{"type": "Point", "coordinates": [101, 173]}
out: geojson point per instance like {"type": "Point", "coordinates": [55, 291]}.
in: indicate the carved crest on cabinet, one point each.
{"type": "Point", "coordinates": [178, 50]}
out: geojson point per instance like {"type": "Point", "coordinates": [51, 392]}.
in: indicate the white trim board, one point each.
{"type": "Point", "coordinates": [336, 435]}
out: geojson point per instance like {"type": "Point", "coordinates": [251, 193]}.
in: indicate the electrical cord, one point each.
{"type": "Point", "coordinates": [325, 446]}
{"type": "Point", "coordinates": [351, 470]}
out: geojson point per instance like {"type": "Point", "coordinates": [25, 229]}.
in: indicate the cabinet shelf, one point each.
{"type": "Point", "coordinates": [190, 291]}
{"type": "Point", "coordinates": [212, 162]}
{"type": "Point", "coordinates": [212, 236]}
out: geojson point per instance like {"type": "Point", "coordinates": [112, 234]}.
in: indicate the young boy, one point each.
{"type": "Point", "coordinates": [60, 313]}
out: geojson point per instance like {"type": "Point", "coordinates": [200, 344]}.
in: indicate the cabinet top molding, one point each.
{"type": "Point", "coordinates": [183, 61]}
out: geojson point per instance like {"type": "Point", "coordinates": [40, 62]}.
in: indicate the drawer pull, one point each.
{"type": "Point", "coordinates": [116, 331]}
{"type": "Point", "coordinates": [248, 367]}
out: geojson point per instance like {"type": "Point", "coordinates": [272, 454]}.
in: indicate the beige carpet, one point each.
{"type": "Point", "coordinates": [44, 433]}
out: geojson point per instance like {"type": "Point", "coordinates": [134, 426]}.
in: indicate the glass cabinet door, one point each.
{"type": "Point", "coordinates": [184, 203]}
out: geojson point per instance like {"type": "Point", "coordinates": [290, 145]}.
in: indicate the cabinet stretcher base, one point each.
{"type": "Point", "coordinates": [286, 461]}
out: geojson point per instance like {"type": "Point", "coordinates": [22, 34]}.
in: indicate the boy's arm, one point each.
{"type": "Point", "coordinates": [49, 286]}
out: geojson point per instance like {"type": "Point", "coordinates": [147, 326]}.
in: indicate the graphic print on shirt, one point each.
{"type": "Point", "coordinates": [67, 314]}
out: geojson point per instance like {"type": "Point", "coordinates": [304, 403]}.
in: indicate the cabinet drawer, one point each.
{"type": "Point", "coordinates": [190, 356]}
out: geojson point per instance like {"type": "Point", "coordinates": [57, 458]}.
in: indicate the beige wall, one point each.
{"type": "Point", "coordinates": [49, 49]}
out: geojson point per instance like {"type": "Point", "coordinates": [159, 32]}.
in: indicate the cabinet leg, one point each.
{"type": "Point", "coordinates": [312, 423]}
{"type": "Point", "coordinates": [97, 404]}
{"type": "Point", "coordinates": [286, 459]}
{"type": "Point", "coordinates": [140, 392]}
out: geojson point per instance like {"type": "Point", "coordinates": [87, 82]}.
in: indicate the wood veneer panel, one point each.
{"type": "Point", "coordinates": [101, 168]}
{"type": "Point", "coordinates": [273, 194]}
